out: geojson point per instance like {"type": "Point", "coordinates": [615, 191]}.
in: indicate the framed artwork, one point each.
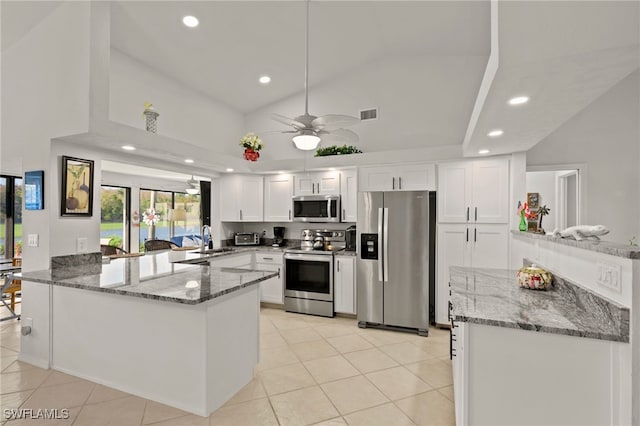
{"type": "Point", "coordinates": [34, 190]}
{"type": "Point", "coordinates": [76, 195]}
{"type": "Point", "coordinates": [532, 226]}
{"type": "Point", "coordinates": [533, 200]}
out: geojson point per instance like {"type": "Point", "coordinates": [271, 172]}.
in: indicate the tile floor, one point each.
{"type": "Point", "coordinates": [313, 370]}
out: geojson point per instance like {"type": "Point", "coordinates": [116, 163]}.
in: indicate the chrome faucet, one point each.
{"type": "Point", "coordinates": [202, 234]}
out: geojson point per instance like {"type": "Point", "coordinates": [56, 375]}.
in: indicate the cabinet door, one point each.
{"type": "Point", "coordinates": [460, 373]}
{"type": "Point", "coordinates": [228, 202]}
{"type": "Point", "coordinates": [416, 178]}
{"type": "Point", "coordinates": [453, 250]}
{"type": "Point", "coordinates": [278, 190]}
{"type": "Point", "coordinates": [454, 192]}
{"type": "Point", "coordinates": [251, 199]}
{"type": "Point", "coordinates": [271, 290]}
{"type": "Point", "coordinates": [305, 184]}
{"type": "Point", "coordinates": [490, 246]}
{"type": "Point", "coordinates": [344, 285]}
{"type": "Point", "coordinates": [490, 191]}
{"type": "Point", "coordinates": [328, 183]}
{"type": "Point", "coordinates": [349, 195]}
{"type": "Point", "coordinates": [377, 179]}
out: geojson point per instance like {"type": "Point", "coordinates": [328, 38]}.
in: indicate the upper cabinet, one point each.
{"type": "Point", "coordinates": [398, 178]}
{"type": "Point", "coordinates": [317, 183]}
{"type": "Point", "coordinates": [278, 190]}
{"type": "Point", "coordinates": [474, 192]}
{"type": "Point", "coordinates": [349, 195]}
{"type": "Point", "coordinates": [241, 198]}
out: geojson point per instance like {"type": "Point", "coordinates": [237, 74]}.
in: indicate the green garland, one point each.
{"type": "Point", "coordinates": [337, 150]}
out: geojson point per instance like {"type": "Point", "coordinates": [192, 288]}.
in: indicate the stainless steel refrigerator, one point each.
{"type": "Point", "coordinates": [395, 263]}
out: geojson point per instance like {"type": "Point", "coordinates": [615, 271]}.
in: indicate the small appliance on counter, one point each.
{"type": "Point", "coordinates": [278, 236]}
{"type": "Point", "coordinates": [350, 238]}
{"type": "Point", "coordinates": [246, 239]}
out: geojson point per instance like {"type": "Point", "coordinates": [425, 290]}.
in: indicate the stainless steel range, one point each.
{"type": "Point", "coordinates": [308, 272]}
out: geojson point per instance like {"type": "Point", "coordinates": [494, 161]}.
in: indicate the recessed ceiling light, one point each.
{"type": "Point", "coordinates": [229, 169]}
{"type": "Point", "coordinates": [128, 147]}
{"type": "Point", "coordinates": [188, 160]}
{"type": "Point", "coordinates": [483, 151]}
{"type": "Point", "coordinates": [265, 79]}
{"type": "Point", "coordinates": [519, 100]}
{"type": "Point", "coordinates": [495, 133]}
{"type": "Point", "coordinates": [190, 21]}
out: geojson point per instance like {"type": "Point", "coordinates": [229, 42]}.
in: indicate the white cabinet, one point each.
{"type": "Point", "coordinates": [479, 245]}
{"type": "Point", "coordinates": [349, 195]}
{"type": "Point", "coordinates": [241, 261]}
{"type": "Point", "coordinates": [278, 190]}
{"type": "Point", "coordinates": [241, 198]}
{"type": "Point", "coordinates": [317, 183]}
{"type": "Point", "coordinates": [398, 178]}
{"type": "Point", "coordinates": [344, 287]}
{"type": "Point", "coordinates": [474, 192]}
{"type": "Point", "coordinates": [271, 290]}
{"type": "Point", "coordinates": [459, 364]}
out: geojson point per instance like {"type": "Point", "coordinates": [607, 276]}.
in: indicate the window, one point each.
{"type": "Point", "coordinates": [10, 217]}
{"type": "Point", "coordinates": [114, 208]}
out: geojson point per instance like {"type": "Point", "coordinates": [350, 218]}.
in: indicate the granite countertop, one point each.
{"type": "Point", "coordinates": [153, 276]}
{"type": "Point", "coordinates": [493, 297]}
{"type": "Point", "coordinates": [600, 246]}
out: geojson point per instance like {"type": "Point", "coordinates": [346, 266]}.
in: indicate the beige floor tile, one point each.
{"type": "Point", "coordinates": [435, 372]}
{"type": "Point", "coordinates": [333, 330]}
{"type": "Point", "coordinates": [307, 351]}
{"type": "Point", "coordinates": [447, 392]}
{"type": "Point", "coordinates": [405, 352]}
{"type": "Point", "coordinates": [397, 383]}
{"type": "Point", "coordinates": [6, 352]}
{"type": "Point", "coordinates": [155, 412]}
{"type": "Point", "coordinates": [286, 378]}
{"type": "Point", "coordinates": [382, 415]}
{"type": "Point", "coordinates": [299, 335]}
{"type": "Point", "coordinates": [353, 394]}
{"type": "Point", "coordinates": [303, 407]}
{"type": "Point", "coordinates": [427, 409]}
{"type": "Point", "coordinates": [58, 378]}
{"type": "Point", "coordinates": [330, 369]}
{"type": "Point", "coordinates": [23, 380]}
{"type": "Point", "coordinates": [60, 396]}
{"type": "Point", "coordinates": [338, 421]}
{"type": "Point", "coordinates": [12, 401]}
{"type": "Point", "coordinates": [384, 337]}
{"type": "Point", "coordinates": [287, 323]}
{"type": "Point", "coordinates": [18, 366]}
{"type": "Point", "coordinates": [276, 357]}
{"type": "Point", "coordinates": [190, 420]}
{"type": "Point", "coordinates": [253, 390]}
{"type": "Point", "coordinates": [11, 341]}
{"type": "Point", "coordinates": [7, 360]}
{"type": "Point", "coordinates": [63, 419]}
{"type": "Point", "coordinates": [349, 343]}
{"type": "Point", "coordinates": [272, 340]}
{"type": "Point", "coordinates": [102, 393]}
{"type": "Point", "coordinates": [370, 360]}
{"type": "Point", "coordinates": [256, 412]}
{"type": "Point", "coordinates": [266, 326]}
{"type": "Point", "coordinates": [121, 412]}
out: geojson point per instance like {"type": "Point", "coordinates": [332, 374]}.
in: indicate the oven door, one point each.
{"type": "Point", "coordinates": [308, 276]}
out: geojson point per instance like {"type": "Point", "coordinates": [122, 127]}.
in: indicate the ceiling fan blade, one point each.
{"type": "Point", "coordinates": [270, 132]}
{"type": "Point", "coordinates": [288, 121]}
{"type": "Point", "coordinates": [339, 135]}
{"type": "Point", "coordinates": [333, 121]}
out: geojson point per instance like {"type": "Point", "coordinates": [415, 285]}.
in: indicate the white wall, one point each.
{"type": "Point", "coordinates": [604, 136]}
{"type": "Point", "coordinates": [184, 113]}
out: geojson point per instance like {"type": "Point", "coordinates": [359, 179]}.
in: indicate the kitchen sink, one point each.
{"type": "Point", "coordinates": [214, 251]}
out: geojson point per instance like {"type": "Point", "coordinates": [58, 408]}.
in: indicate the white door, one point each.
{"type": "Point", "coordinates": [416, 178]}
{"type": "Point", "coordinates": [490, 191]}
{"type": "Point", "coordinates": [490, 246]}
{"type": "Point", "coordinates": [278, 190]}
{"type": "Point", "coordinates": [328, 183]}
{"type": "Point", "coordinates": [344, 285]}
{"type": "Point", "coordinates": [453, 250]}
{"type": "Point", "coordinates": [305, 184]}
{"type": "Point", "coordinates": [349, 195]}
{"type": "Point", "coordinates": [377, 179]}
{"type": "Point", "coordinates": [454, 192]}
{"type": "Point", "coordinates": [251, 199]}
{"type": "Point", "coordinates": [228, 202]}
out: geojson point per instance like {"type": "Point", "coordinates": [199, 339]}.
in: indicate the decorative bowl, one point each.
{"type": "Point", "coordinates": [534, 278]}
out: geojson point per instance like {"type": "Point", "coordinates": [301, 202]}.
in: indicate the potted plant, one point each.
{"type": "Point", "coordinates": [252, 144]}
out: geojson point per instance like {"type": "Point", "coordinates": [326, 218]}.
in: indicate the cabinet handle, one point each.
{"type": "Point", "coordinates": [400, 183]}
{"type": "Point", "coordinates": [476, 215]}
{"type": "Point", "coordinates": [313, 188]}
{"type": "Point", "coordinates": [240, 214]}
{"type": "Point", "coordinates": [467, 215]}
{"type": "Point", "coordinates": [289, 214]}
{"type": "Point", "coordinates": [278, 272]}
{"type": "Point", "coordinates": [338, 264]}
{"type": "Point", "coordinates": [475, 235]}
{"type": "Point", "coordinates": [393, 183]}
{"type": "Point", "coordinates": [467, 241]}
{"type": "Point", "coordinates": [344, 215]}
{"type": "Point", "coordinates": [268, 258]}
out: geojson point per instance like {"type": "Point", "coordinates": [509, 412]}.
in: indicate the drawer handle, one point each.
{"type": "Point", "coordinates": [268, 258]}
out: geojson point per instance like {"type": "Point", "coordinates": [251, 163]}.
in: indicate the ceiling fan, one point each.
{"type": "Point", "coordinates": [309, 129]}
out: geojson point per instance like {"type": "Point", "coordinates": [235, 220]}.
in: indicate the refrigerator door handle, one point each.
{"type": "Point", "coordinates": [385, 238]}
{"type": "Point", "coordinates": [380, 252]}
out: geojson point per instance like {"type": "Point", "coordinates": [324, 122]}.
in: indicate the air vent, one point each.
{"type": "Point", "coordinates": [369, 114]}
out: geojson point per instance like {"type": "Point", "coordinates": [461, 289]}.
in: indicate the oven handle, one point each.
{"type": "Point", "coordinates": [314, 258]}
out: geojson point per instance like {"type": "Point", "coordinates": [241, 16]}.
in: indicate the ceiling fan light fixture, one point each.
{"type": "Point", "coordinates": [192, 191]}
{"type": "Point", "coordinates": [193, 187]}
{"type": "Point", "coordinates": [306, 140]}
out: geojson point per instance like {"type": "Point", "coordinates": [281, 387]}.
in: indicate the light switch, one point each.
{"type": "Point", "coordinates": [82, 245]}
{"type": "Point", "coordinates": [32, 240]}
{"type": "Point", "coordinates": [609, 276]}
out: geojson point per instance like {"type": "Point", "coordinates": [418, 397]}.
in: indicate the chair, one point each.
{"type": "Point", "coordinates": [108, 250]}
{"type": "Point", "coordinates": [151, 245]}
{"type": "Point", "coordinates": [16, 285]}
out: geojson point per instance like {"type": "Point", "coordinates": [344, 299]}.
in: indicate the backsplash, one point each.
{"type": "Point", "coordinates": [293, 229]}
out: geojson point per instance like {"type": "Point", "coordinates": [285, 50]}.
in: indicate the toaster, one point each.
{"type": "Point", "coordinates": [246, 239]}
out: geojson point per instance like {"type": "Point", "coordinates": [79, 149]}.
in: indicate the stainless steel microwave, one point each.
{"type": "Point", "coordinates": [316, 208]}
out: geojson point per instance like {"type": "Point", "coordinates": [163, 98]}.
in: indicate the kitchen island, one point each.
{"type": "Point", "coordinates": [183, 335]}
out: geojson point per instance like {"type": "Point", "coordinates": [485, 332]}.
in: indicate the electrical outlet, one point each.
{"type": "Point", "coordinates": [32, 240]}
{"type": "Point", "coordinates": [609, 275]}
{"type": "Point", "coordinates": [82, 245]}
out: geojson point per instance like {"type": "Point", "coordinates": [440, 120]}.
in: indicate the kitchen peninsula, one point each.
{"type": "Point", "coordinates": [181, 334]}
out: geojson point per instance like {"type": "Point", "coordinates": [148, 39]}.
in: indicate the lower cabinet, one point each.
{"type": "Point", "coordinates": [344, 285]}
{"type": "Point", "coordinates": [241, 261]}
{"type": "Point", "coordinates": [271, 290]}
